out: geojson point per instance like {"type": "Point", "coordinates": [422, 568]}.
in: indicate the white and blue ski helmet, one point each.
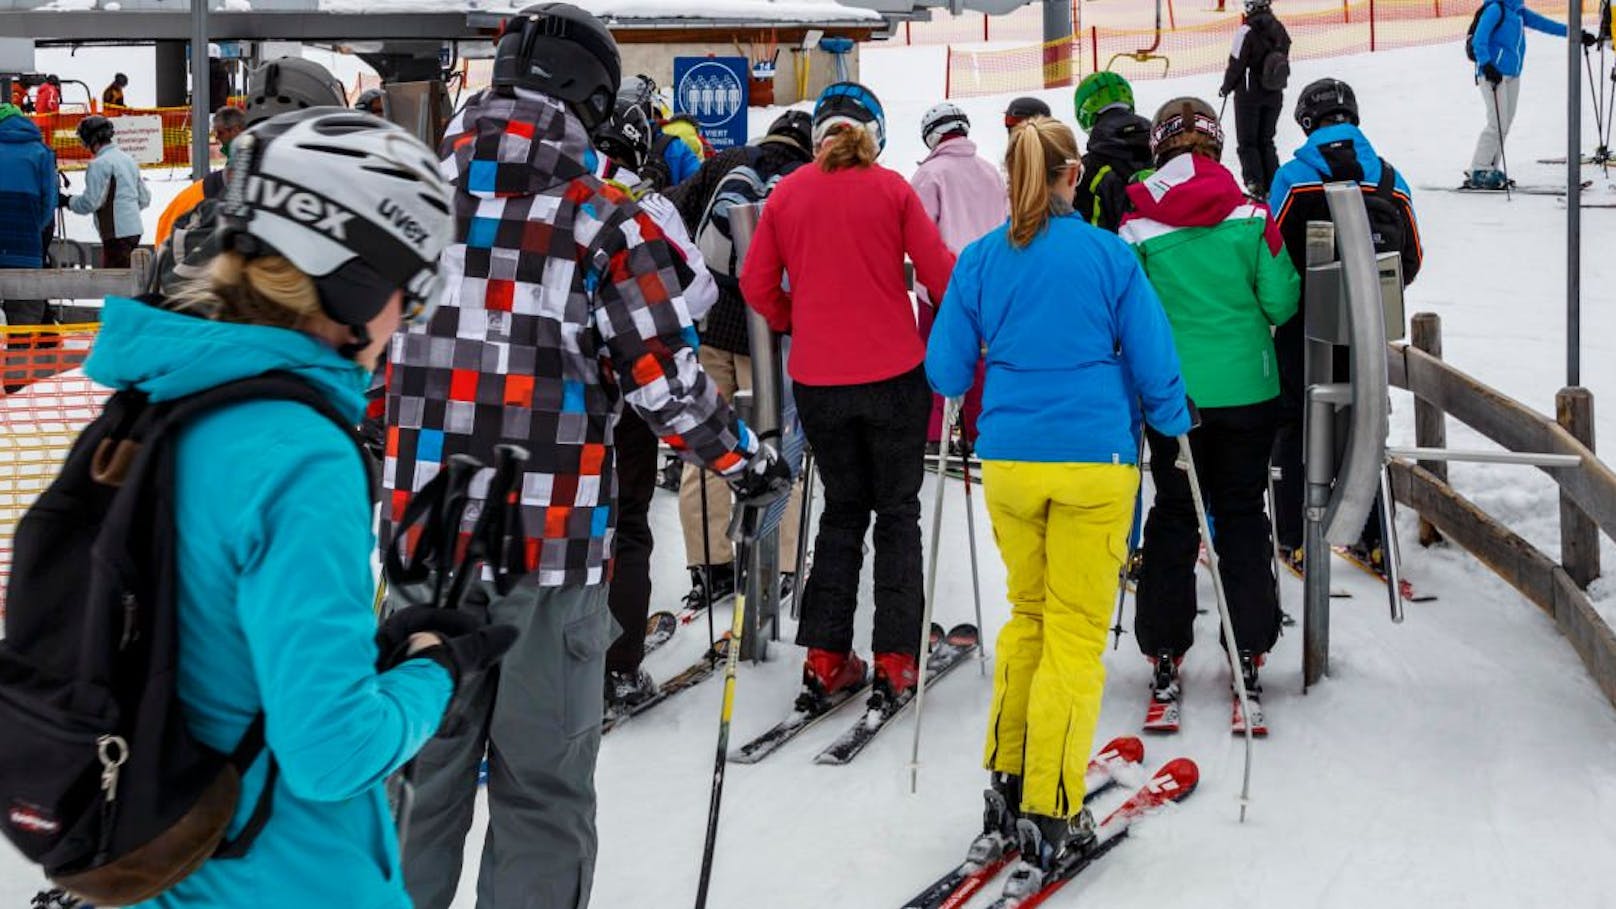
{"type": "Point", "coordinates": [849, 104]}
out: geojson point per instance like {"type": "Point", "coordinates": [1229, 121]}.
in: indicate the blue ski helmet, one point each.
{"type": "Point", "coordinates": [849, 104]}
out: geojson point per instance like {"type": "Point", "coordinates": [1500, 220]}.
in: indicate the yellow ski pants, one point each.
{"type": "Point", "coordinates": [1062, 530]}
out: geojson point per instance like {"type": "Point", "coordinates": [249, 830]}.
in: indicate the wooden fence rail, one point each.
{"type": "Point", "coordinates": [1587, 501]}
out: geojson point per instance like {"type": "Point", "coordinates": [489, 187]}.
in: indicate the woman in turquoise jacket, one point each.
{"type": "Point", "coordinates": [273, 513]}
{"type": "Point", "coordinates": [1076, 343]}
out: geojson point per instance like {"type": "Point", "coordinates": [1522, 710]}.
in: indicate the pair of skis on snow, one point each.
{"type": "Point", "coordinates": [1163, 715]}
{"type": "Point", "coordinates": [948, 652]}
{"type": "Point", "coordinates": [1114, 763]}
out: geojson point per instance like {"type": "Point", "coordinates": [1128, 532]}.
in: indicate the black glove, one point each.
{"type": "Point", "coordinates": [469, 646]}
{"type": "Point", "coordinates": [1223, 93]}
{"type": "Point", "coordinates": [63, 200]}
{"type": "Point", "coordinates": [1491, 73]}
{"type": "Point", "coordinates": [1589, 39]}
{"type": "Point", "coordinates": [765, 478]}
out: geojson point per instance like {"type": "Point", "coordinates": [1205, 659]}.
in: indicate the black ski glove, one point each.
{"type": "Point", "coordinates": [469, 645]}
{"type": "Point", "coordinates": [1589, 39]}
{"type": "Point", "coordinates": [1491, 73]}
{"type": "Point", "coordinates": [765, 478]}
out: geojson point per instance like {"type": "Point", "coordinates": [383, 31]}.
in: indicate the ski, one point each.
{"type": "Point", "coordinates": [1405, 588]}
{"type": "Point", "coordinates": [1237, 718]}
{"type": "Point", "coordinates": [1525, 189]}
{"type": "Point", "coordinates": [701, 670]}
{"type": "Point", "coordinates": [957, 647]}
{"type": "Point", "coordinates": [799, 720]}
{"type": "Point", "coordinates": [1335, 593]}
{"type": "Point", "coordinates": [659, 629]}
{"type": "Point", "coordinates": [1172, 783]}
{"type": "Point", "coordinates": [1586, 160]}
{"type": "Point", "coordinates": [956, 888]}
{"type": "Point", "coordinates": [1163, 716]}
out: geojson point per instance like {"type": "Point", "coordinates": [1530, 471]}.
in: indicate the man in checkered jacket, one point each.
{"type": "Point", "coordinates": [563, 304]}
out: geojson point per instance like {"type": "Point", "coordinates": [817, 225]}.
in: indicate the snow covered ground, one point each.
{"type": "Point", "coordinates": [1462, 759]}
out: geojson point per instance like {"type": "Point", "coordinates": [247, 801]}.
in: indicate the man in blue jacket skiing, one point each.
{"type": "Point", "coordinates": [1499, 48]}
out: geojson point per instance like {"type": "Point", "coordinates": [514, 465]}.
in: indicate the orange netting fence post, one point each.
{"type": "Point", "coordinates": [47, 401]}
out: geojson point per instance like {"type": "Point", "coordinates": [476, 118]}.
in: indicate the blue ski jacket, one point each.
{"type": "Point", "coordinates": [274, 547]}
{"type": "Point", "coordinates": [1074, 336]}
{"type": "Point", "coordinates": [682, 162]}
{"type": "Point", "coordinates": [27, 191]}
{"type": "Point", "coordinates": [1500, 37]}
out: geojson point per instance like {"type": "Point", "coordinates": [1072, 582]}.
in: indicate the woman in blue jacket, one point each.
{"type": "Point", "coordinates": [272, 504]}
{"type": "Point", "coordinates": [1499, 48]}
{"type": "Point", "coordinates": [1077, 343]}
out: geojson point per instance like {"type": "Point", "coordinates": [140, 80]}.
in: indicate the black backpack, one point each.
{"type": "Point", "coordinates": [1274, 71]}
{"type": "Point", "coordinates": [1470, 33]}
{"type": "Point", "coordinates": [102, 784]}
{"type": "Point", "coordinates": [1386, 223]}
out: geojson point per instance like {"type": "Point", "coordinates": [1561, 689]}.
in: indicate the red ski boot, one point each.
{"type": "Point", "coordinates": [895, 678]}
{"type": "Point", "coordinates": [828, 678]}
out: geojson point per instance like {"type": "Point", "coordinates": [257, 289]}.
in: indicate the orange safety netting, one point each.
{"type": "Point", "coordinates": [1359, 27]}
{"type": "Point", "coordinates": [47, 402]}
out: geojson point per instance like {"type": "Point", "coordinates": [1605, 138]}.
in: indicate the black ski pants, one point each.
{"type": "Point", "coordinates": [1231, 449]}
{"type": "Point", "coordinates": [629, 596]}
{"type": "Point", "coordinates": [869, 443]}
{"type": "Point", "coordinates": [1256, 118]}
{"type": "Point", "coordinates": [1290, 488]}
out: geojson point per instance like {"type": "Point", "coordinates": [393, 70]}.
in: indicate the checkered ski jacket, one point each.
{"type": "Point", "coordinates": [561, 302]}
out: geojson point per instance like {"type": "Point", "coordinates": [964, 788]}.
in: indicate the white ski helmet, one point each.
{"type": "Point", "coordinates": [290, 83]}
{"type": "Point", "coordinates": [941, 120]}
{"type": "Point", "coordinates": [353, 201]}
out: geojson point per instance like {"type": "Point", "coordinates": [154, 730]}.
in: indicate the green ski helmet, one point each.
{"type": "Point", "coordinates": [1097, 92]}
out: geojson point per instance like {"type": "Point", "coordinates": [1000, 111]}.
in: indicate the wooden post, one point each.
{"type": "Point", "coordinates": [1371, 26]}
{"type": "Point", "coordinates": [1430, 425]}
{"type": "Point", "coordinates": [1579, 535]}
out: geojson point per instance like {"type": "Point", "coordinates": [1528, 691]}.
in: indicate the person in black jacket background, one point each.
{"type": "Point", "coordinates": [1259, 64]}
{"type": "Point", "coordinates": [726, 356]}
{"type": "Point", "coordinates": [1118, 152]}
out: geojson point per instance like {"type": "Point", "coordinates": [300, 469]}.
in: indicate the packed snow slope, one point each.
{"type": "Point", "coordinates": [1462, 759]}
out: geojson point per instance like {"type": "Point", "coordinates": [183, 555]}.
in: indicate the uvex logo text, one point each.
{"type": "Point", "coordinates": [403, 221]}
{"type": "Point", "coordinates": [324, 216]}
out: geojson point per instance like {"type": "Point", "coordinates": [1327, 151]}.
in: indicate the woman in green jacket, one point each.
{"type": "Point", "coordinates": [1219, 265]}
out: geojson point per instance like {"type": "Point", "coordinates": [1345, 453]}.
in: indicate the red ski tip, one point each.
{"type": "Point", "coordinates": [1125, 748]}
{"type": "Point", "coordinates": [1178, 777]}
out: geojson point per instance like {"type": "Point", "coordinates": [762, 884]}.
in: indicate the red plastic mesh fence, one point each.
{"type": "Point", "coordinates": [1355, 28]}
{"type": "Point", "coordinates": [47, 401]}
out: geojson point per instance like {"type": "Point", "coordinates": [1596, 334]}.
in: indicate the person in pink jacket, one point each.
{"type": "Point", "coordinates": [965, 197]}
{"type": "Point", "coordinates": [842, 227]}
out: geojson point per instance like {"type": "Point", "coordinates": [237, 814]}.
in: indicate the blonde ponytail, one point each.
{"type": "Point", "coordinates": [1041, 148]}
{"type": "Point", "coordinates": [265, 291]}
{"type": "Point", "coordinates": [847, 146]}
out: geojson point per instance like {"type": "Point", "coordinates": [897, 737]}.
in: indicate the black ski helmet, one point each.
{"type": "Point", "coordinates": [95, 130]}
{"type": "Point", "coordinates": [1024, 108]}
{"type": "Point", "coordinates": [625, 136]}
{"type": "Point", "coordinates": [559, 50]}
{"type": "Point", "coordinates": [794, 128]}
{"type": "Point", "coordinates": [1326, 101]}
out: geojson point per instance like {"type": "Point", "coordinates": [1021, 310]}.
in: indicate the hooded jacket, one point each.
{"type": "Point", "coordinates": [961, 191]}
{"type": "Point", "coordinates": [114, 192]}
{"type": "Point", "coordinates": [27, 191]}
{"type": "Point", "coordinates": [1218, 263]}
{"type": "Point", "coordinates": [1339, 151]}
{"type": "Point", "coordinates": [273, 550]}
{"type": "Point", "coordinates": [561, 304]}
{"type": "Point", "coordinates": [1500, 37]}
{"type": "Point", "coordinates": [1074, 337]}
{"type": "Point", "coordinates": [1119, 150]}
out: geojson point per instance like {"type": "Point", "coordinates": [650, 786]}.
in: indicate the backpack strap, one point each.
{"type": "Point", "coordinates": [1388, 180]}
{"type": "Point", "coordinates": [170, 415]}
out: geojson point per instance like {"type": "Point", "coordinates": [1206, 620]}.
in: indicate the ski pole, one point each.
{"type": "Point", "coordinates": [1186, 462]}
{"type": "Point", "coordinates": [951, 408]}
{"type": "Point", "coordinates": [1135, 534]}
{"type": "Point", "coordinates": [1503, 159]}
{"type": "Point", "coordinates": [1273, 537]}
{"type": "Point", "coordinates": [804, 520]}
{"type": "Point", "coordinates": [707, 563]}
{"type": "Point", "coordinates": [966, 449]}
{"type": "Point", "coordinates": [743, 530]}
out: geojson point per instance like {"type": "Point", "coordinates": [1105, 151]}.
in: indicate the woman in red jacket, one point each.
{"type": "Point", "coordinates": [841, 229]}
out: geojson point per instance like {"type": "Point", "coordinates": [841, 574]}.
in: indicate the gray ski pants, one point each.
{"type": "Point", "coordinates": [538, 715]}
{"type": "Point", "coordinates": [1500, 114]}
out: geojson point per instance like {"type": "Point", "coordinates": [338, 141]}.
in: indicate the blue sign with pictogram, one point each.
{"type": "Point", "coordinates": [714, 92]}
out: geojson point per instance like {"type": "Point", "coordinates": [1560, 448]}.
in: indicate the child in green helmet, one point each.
{"type": "Point", "coordinates": [1118, 148]}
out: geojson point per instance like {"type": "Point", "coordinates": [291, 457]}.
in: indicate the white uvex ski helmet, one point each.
{"type": "Point", "coordinates": [353, 201]}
